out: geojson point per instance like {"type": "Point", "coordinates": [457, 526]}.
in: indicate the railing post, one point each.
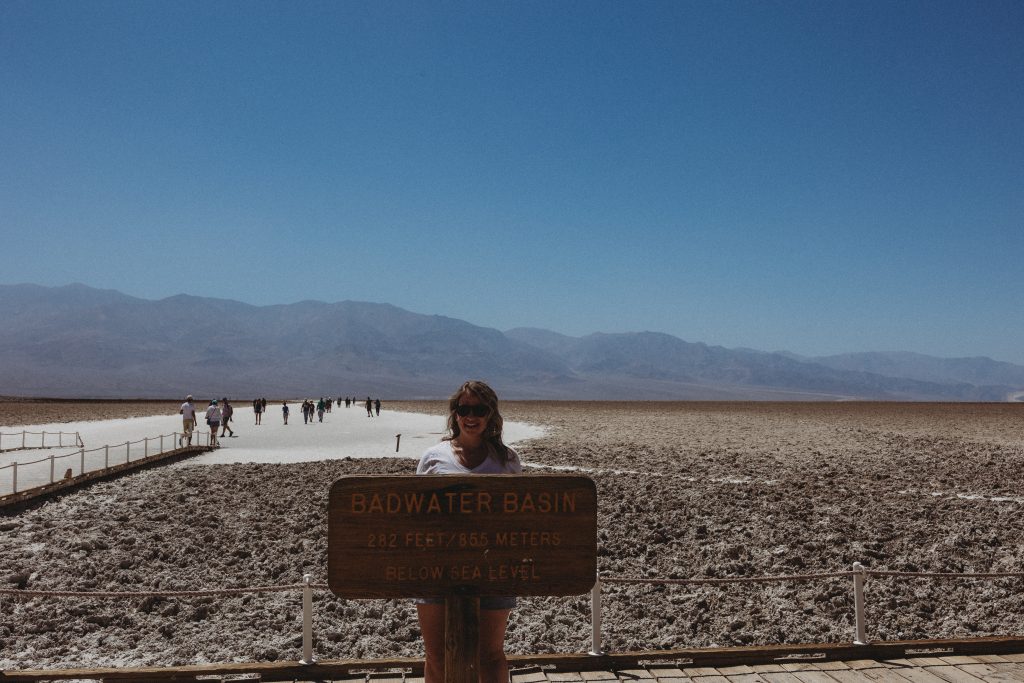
{"type": "Point", "coordinates": [106, 457]}
{"type": "Point", "coordinates": [14, 476]}
{"type": "Point", "coordinates": [127, 451]}
{"type": "Point", "coordinates": [861, 637]}
{"type": "Point", "coordinates": [23, 439]}
{"type": "Point", "coordinates": [161, 444]}
{"type": "Point", "coordinates": [398, 440]}
{"type": "Point", "coordinates": [51, 468]}
{"type": "Point", "coordinates": [81, 456]}
{"type": "Point", "coordinates": [44, 439]}
{"type": "Point", "coordinates": [307, 619]}
{"type": "Point", "coordinates": [595, 618]}
{"type": "Point", "coordinates": [78, 438]}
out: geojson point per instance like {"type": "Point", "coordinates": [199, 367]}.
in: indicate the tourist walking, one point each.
{"type": "Point", "coordinates": [213, 421]}
{"type": "Point", "coordinates": [376, 406]}
{"type": "Point", "coordinates": [226, 411]}
{"type": "Point", "coordinates": [473, 445]}
{"type": "Point", "coordinates": [284, 411]}
{"type": "Point", "coordinates": [320, 409]}
{"type": "Point", "coordinates": [188, 420]}
{"type": "Point", "coordinates": [257, 409]}
{"type": "Point", "coordinates": [369, 407]}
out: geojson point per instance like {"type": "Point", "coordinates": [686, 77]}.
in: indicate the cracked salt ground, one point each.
{"type": "Point", "coordinates": [258, 524]}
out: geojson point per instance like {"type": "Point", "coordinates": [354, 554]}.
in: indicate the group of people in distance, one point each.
{"type": "Point", "coordinates": [320, 407]}
{"type": "Point", "coordinates": [218, 417]}
{"type": "Point", "coordinates": [472, 445]}
{"type": "Point", "coordinates": [219, 414]}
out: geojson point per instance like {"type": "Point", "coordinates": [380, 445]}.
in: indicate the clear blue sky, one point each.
{"type": "Point", "coordinates": [819, 177]}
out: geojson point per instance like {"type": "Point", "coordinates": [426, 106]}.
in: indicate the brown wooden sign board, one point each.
{"type": "Point", "coordinates": [461, 535]}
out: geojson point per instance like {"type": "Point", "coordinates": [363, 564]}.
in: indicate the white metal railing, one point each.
{"type": "Point", "coordinates": [859, 573]}
{"type": "Point", "coordinates": [45, 471]}
{"type": "Point", "coordinates": [21, 441]}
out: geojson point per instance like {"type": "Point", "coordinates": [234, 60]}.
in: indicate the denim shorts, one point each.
{"type": "Point", "coordinates": [485, 603]}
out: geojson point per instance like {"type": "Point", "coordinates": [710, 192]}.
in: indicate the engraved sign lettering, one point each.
{"type": "Point", "coordinates": [474, 535]}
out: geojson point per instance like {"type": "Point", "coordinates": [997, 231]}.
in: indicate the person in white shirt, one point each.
{"type": "Point", "coordinates": [213, 421]}
{"type": "Point", "coordinates": [188, 420]}
{"type": "Point", "coordinates": [473, 445]}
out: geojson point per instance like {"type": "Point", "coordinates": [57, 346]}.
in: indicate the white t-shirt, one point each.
{"type": "Point", "coordinates": [440, 459]}
{"type": "Point", "coordinates": [188, 411]}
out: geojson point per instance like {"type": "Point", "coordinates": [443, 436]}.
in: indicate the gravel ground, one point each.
{"type": "Point", "coordinates": [685, 490]}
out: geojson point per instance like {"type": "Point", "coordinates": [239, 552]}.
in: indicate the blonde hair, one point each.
{"type": "Point", "coordinates": [486, 395]}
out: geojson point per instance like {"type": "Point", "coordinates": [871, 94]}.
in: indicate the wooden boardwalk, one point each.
{"type": "Point", "coordinates": [1007, 668]}
{"type": "Point", "coordinates": [984, 660]}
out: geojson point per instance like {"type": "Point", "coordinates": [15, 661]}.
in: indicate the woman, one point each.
{"type": "Point", "coordinates": [213, 421]}
{"type": "Point", "coordinates": [473, 445]}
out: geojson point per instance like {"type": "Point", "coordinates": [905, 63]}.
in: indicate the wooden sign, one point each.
{"type": "Point", "coordinates": [461, 535]}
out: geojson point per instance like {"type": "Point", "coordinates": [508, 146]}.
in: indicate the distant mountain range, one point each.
{"type": "Point", "coordinates": [76, 341]}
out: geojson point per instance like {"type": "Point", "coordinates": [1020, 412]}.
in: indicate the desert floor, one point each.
{"type": "Point", "coordinates": [686, 490]}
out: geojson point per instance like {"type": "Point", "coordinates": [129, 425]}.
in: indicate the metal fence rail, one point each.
{"type": "Point", "coordinates": [48, 470]}
{"type": "Point", "coordinates": [20, 441]}
{"type": "Point", "coordinates": [858, 573]}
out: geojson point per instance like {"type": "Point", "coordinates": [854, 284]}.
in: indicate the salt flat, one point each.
{"type": "Point", "coordinates": [344, 433]}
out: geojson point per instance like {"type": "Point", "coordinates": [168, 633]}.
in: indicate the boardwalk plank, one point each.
{"type": "Point", "coordinates": [952, 674]}
{"type": "Point", "coordinates": [917, 674]}
{"type": "Point", "coordinates": [559, 676]}
{"type": "Point", "coordinates": [982, 671]}
{"type": "Point", "coordinates": [634, 675]}
{"type": "Point", "coordinates": [783, 677]}
{"type": "Point", "coordinates": [993, 672]}
{"type": "Point", "coordinates": [599, 676]}
{"type": "Point", "coordinates": [746, 678]}
{"type": "Point", "coordinates": [532, 674]}
{"type": "Point", "coordinates": [1010, 669]}
{"type": "Point", "coordinates": [888, 674]}
{"type": "Point", "coordinates": [814, 677]}
{"type": "Point", "coordinates": [735, 670]}
{"type": "Point", "coordinates": [851, 676]}
{"type": "Point", "coordinates": [715, 678]}
{"type": "Point", "coordinates": [668, 673]}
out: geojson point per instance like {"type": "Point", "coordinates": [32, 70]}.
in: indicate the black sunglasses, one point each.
{"type": "Point", "coordinates": [479, 410]}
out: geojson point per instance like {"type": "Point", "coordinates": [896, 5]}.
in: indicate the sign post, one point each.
{"type": "Point", "coordinates": [461, 537]}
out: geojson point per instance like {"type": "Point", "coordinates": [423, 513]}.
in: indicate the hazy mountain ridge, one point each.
{"type": "Point", "coordinates": [978, 370]}
{"type": "Point", "coordinates": [80, 341]}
